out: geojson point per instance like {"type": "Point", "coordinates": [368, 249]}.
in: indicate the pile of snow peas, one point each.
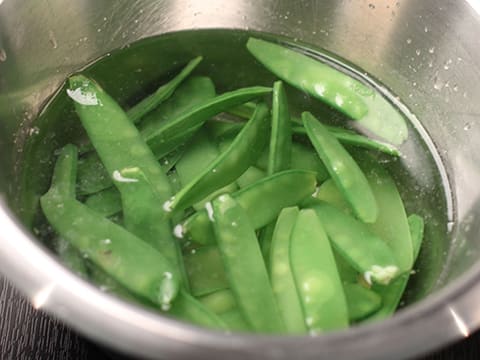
{"type": "Point", "coordinates": [226, 211]}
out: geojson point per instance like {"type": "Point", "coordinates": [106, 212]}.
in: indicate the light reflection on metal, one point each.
{"type": "Point", "coordinates": [462, 327]}
{"type": "Point", "coordinates": [42, 296]}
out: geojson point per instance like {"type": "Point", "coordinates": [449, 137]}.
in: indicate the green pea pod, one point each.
{"type": "Point", "coordinates": [186, 307]}
{"type": "Point", "coordinates": [348, 137]}
{"type": "Point", "coordinates": [391, 224]}
{"type": "Point", "coordinates": [92, 175]}
{"type": "Point", "coordinates": [168, 136]}
{"type": "Point", "coordinates": [316, 277]}
{"type": "Point", "coordinates": [392, 294]}
{"type": "Point", "coordinates": [205, 270]}
{"type": "Point", "coordinates": [244, 266]}
{"type": "Point", "coordinates": [262, 201]}
{"type": "Point", "coordinates": [341, 91]}
{"type": "Point", "coordinates": [329, 193]}
{"type": "Point", "coordinates": [220, 301]}
{"type": "Point", "coordinates": [137, 112]}
{"type": "Point", "coordinates": [106, 244]}
{"type": "Point", "coordinates": [136, 174]}
{"type": "Point", "coordinates": [283, 283]}
{"type": "Point", "coordinates": [345, 136]}
{"type": "Point", "coordinates": [106, 202]}
{"type": "Point", "coordinates": [251, 176]}
{"type": "Point", "coordinates": [219, 130]}
{"type": "Point", "coordinates": [200, 153]}
{"type": "Point", "coordinates": [281, 135]}
{"type": "Point", "coordinates": [361, 302]}
{"type": "Point", "coordinates": [235, 321]}
{"type": "Point", "coordinates": [228, 166]}
{"type": "Point", "coordinates": [344, 171]}
{"type": "Point", "coordinates": [265, 237]}
{"type": "Point", "coordinates": [364, 251]}
{"type": "Point", "coordinates": [347, 273]}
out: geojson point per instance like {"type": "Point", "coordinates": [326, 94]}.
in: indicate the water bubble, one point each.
{"type": "Point", "coordinates": [3, 55]}
{"type": "Point", "coordinates": [431, 50]}
{"type": "Point", "coordinates": [418, 52]}
{"type": "Point", "coordinates": [409, 41]}
{"type": "Point", "coordinates": [455, 88]}
{"type": "Point", "coordinates": [467, 126]}
{"type": "Point", "coordinates": [425, 29]}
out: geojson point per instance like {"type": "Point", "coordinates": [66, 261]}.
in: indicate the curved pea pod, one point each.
{"type": "Point", "coordinates": [348, 137]}
{"type": "Point", "coordinates": [162, 93]}
{"type": "Point", "coordinates": [106, 244]}
{"type": "Point", "coordinates": [353, 240]}
{"type": "Point", "coordinates": [281, 135]}
{"type": "Point", "coordinates": [283, 283]}
{"type": "Point", "coordinates": [361, 302]}
{"type": "Point", "coordinates": [205, 270]}
{"type": "Point", "coordinates": [329, 193]}
{"type": "Point", "coordinates": [343, 92]}
{"type": "Point", "coordinates": [344, 171]}
{"type": "Point", "coordinates": [200, 153]}
{"type": "Point", "coordinates": [251, 176]}
{"type": "Point", "coordinates": [244, 266]}
{"type": "Point", "coordinates": [163, 139]}
{"type": "Point", "coordinates": [392, 294]}
{"type": "Point", "coordinates": [233, 162]}
{"type": "Point", "coordinates": [92, 175]}
{"type": "Point", "coordinates": [224, 129]}
{"type": "Point", "coordinates": [220, 301]}
{"type": "Point", "coordinates": [186, 307]}
{"type": "Point", "coordinates": [262, 201]}
{"type": "Point", "coordinates": [391, 224]}
{"type": "Point", "coordinates": [316, 277]}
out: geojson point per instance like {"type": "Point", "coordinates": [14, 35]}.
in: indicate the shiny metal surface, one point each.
{"type": "Point", "coordinates": [427, 51]}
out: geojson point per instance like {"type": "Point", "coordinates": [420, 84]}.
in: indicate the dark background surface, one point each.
{"type": "Point", "coordinates": [29, 334]}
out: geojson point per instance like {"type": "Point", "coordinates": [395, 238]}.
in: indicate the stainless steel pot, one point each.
{"type": "Point", "coordinates": [427, 51]}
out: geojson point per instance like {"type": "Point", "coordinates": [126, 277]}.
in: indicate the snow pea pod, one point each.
{"type": "Point", "coordinates": [281, 135]}
{"type": "Point", "coordinates": [392, 294]}
{"type": "Point", "coordinates": [353, 240]}
{"type": "Point", "coordinates": [92, 175]}
{"type": "Point", "coordinates": [106, 244]}
{"type": "Point", "coordinates": [391, 224]}
{"type": "Point", "coordinates": [244, 150]}
{"type": "Point", "coordinates": [283, 283]}
{"type": "Point", "coordinates": [137, 112]}
{"type": "Point", "coordinates": [316, 277]}
{"type": "Point", "coordinates": [186, 307]}
{"type": "Point", "coordinates": [167, 136]}
{"type": "Point", "coordinates": [244, 266]}
{"type": "Point", "coordinates": [262, 201]}
{"type": "Point", "coordinates": [219, 301]}
{"type": "Point", "coordinates": [251, 176]}
{"type": "Point", "coordinates": [344, 171]}
{"type": "Point", "coordinates": [348, 137]}
{"type": "Point", "coordinates": [361, 302]}
{"type": "Point", "coordinates": [205, 270]}
{"type": "Point", "coordinates": [200, 153]}
{"type": "Point", "coordinates": [341, 91]}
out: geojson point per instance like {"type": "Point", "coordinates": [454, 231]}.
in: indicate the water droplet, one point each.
{"type": "Point", "coordinates": [33, 131]}
{"type": "Point", "coordinates": [409, 41]}
{"type": "Point", "coordinates": [105, 18]}
{"type": "Point", "coordinates": [467, 126]}
{"type": "Point", "coordinates": [3, 55]}
{"type": "Point", "coordinates": [431, 50]}
{"type": "Point", "coordinates": [455, 88]}
{"type": "Point", "coordinates": [425, 29]}
{"type": "Point", "coordinates": [99, 30]}
{"type": "Point", "coordinates": [418, 52]}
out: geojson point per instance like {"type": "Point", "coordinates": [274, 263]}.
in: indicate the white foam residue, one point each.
{"type": "Point", "coordinates": [339, 100]}
{"type": "Point", "coordinates": [167, 205]}
{"type": "Point", "coordinates": [84, 98]}
{"type": "Point", "coordinates": [209, 208]}
{"type": "Point", "coordinates": [381, 274]}
{"type": "Point", "coordinates": [117, 176]}
{"type": "Point", "coordinates": [320, 89]}
{"type": "Point", "coordinates": [178, 231]}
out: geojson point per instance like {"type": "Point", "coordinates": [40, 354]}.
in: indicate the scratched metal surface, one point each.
{"type": "Point", "coordinates": [29, 334]}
